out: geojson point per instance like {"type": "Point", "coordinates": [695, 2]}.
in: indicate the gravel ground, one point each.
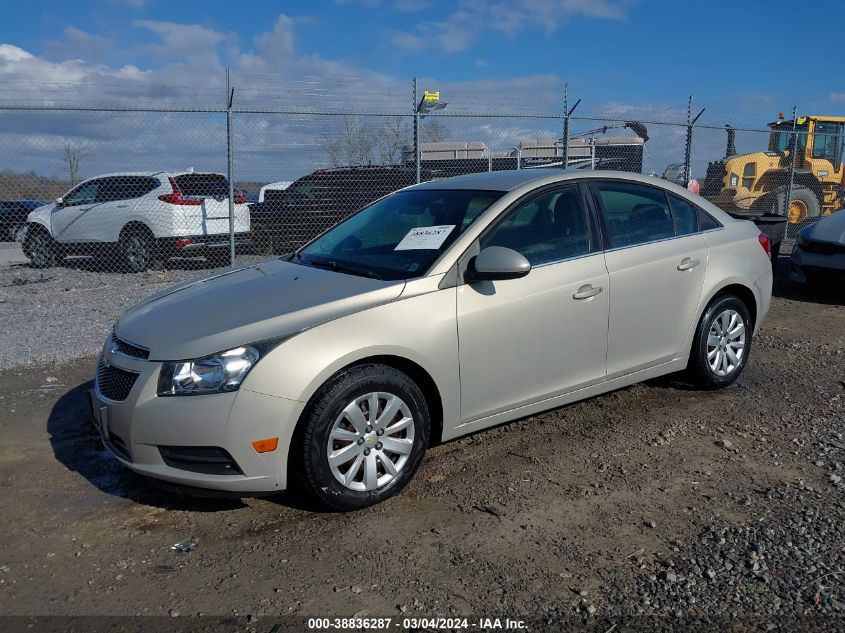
{"type": "Point", "coordinates": [655, 506]}
{"type": "Point", "coordinates": [58, 314]}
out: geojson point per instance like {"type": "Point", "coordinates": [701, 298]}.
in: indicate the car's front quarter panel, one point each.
{"type": "Point", "coordinates": [419, 327]}
{"type": "Point", "coordinates": [41, 216]}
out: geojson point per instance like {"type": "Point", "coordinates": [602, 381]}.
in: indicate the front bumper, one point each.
{"type": "Point", "coordinates": [817, 268]}
{"type": "Point", "coordinates": [135, 429]}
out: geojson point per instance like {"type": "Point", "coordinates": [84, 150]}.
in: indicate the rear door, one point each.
{"type": "Point", "coordinates": [212, 216]}
{"type": "Point", "coordinates": [656, 262]}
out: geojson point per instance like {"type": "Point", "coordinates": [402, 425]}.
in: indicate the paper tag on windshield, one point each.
{"type": "Point", "coordinates": [425, 238]}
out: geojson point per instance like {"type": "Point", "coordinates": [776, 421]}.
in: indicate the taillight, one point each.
{"type": "Point", "coordinates": [766, 243]}
{"type": "Point", "coordinates": [176, 196]}
{"type": "Point", "coordinates": [240, 198]}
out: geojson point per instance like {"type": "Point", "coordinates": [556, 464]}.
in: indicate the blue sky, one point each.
{"type": "Point", "coordinates": [626, 58]}
{"type": "Point", "coordinates": [638, 51]}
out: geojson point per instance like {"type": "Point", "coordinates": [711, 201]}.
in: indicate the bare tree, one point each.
{"type": "Point", "coordinates": [434, 131]}
{"type": "Point", "coordinates": [72, 157]}
{"type": "Point", "coordinates": [391, 139]}
{"type": "Point", "coordinates": [354, 143]}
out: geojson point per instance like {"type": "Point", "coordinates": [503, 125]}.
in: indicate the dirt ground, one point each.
{"type": "Point", "coordinates": [655, 500]}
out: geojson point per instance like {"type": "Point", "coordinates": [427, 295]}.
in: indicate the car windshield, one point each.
{"type": "Point", "coordinates": [400, 236]}
{"type": "Point", "coordinates": [782, 137]}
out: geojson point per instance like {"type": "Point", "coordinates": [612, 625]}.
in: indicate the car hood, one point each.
{"type": "Point", "coordinates": [246, 305]}
{"type": "Point", "coordinates": [830, 229]}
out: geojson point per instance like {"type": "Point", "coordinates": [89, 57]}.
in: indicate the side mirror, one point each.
{"type": "Point", "coordinates": [497, 262]}
{"type": "Point", "coordinates": [59, 202]}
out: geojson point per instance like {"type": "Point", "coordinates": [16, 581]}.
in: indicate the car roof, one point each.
{"type": "Point", "coordinates": [152, 174]}
{"type": "Point", "coordinates": [508, 180]}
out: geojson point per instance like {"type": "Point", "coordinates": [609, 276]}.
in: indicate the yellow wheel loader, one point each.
{"type": "Point", "coordinates": [760, 181]}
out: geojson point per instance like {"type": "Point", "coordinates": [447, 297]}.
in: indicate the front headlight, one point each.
{"type": "Point", "coordinates": [213, 374]}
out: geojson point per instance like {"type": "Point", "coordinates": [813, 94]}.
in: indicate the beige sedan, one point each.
{"type": "Point", "coordinates": [442, 309]}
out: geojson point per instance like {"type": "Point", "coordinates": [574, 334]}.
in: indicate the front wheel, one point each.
{"type": "Point", "coordinates": [721, 344]}
{"type": "Point", "coordinates": [362, 438]}
{"type": "Point", "coordinates": [40, 248]}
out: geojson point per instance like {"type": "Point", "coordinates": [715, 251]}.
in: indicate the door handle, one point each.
{"type": "Point", "coordinates": [122, 206]}
{"type": "Point", "coordinates": [586, 292]}
{"type": "Point", "coordinates": [688, 264]}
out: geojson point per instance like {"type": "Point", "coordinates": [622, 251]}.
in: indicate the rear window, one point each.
{"type": "Point", "coordinates": [203, 184]}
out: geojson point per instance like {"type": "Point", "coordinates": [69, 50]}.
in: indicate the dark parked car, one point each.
{"type": "Point", "coordinates": [819, 255]}
{"type": "Point", "coordinates": [289, 218]}
{"type": "Point", "coordinates": [13, 217]}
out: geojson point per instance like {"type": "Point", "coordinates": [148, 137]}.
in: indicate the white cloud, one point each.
{"type": "Point", "coordinates": [472, 18]}
{"type": "Point", "coordinates": [269, 73]}
{"type": "Point", "coordinates": [837, 97]}
{"type": "Point", "coordinates": [77, 44]}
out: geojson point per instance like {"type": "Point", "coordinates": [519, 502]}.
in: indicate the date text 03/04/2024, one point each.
{"type": "Point", "coordinates": [416, 623]}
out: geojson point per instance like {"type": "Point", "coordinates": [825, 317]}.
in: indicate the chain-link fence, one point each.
{"type": "Point", "coordinates": [109, 188]}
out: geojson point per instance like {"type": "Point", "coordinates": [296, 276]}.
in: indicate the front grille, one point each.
{"type": "Point", "coordinates": [209, 460]}
{"type": "Point", "coordinates": [114, 383]}
{"type": "Point", "coordinates": [128, 349]}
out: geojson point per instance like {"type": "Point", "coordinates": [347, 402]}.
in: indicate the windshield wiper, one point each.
{"type": "Point", "coordinates": [340, 268]}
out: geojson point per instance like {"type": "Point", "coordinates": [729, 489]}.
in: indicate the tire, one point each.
{"type": "Point", "coordinates": [804, 204]}
{"type": "Point", "coordinates": [709, 366]}
{"type": "Point", "coordinates": [40, 248]}
{"type": "Point", "coordinates": [368, 479]}
{"type": "Point", "coordinates": [16, 232]}
{"type": "Point", "coordinates": [136, 250]}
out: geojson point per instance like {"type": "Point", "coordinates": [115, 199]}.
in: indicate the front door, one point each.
{"type": "Point", "coordinates": [525, 340]}
{"type": "Point", "coordinates": [69, 221]}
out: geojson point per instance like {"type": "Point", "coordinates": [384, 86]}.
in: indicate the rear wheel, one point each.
{"type": "Point", "coordinates": [40, 248]}
{"type": "Point", "coordinates": [721, 344]}
{"type": "Point", "coordinates": [136, 249]}
{"type": "Point", "coordinates": [362, 438]}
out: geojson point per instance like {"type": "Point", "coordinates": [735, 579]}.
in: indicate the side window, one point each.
{"type": "Point", "coordinates": [86, 193]}
{"type": "Point", "coordinates": [684, 214]}
{"type": "Point", "coordinates": [635, 214]}
{"type": "Point", "coordinates": [137, 186]}
{"type": "Point", "coordinates": [749, 172]}
{"type": "Point", "coordinates": [706, 221]}
{"type": "Point", "coordinates": [548, 228]}
{"type": "Point", "coordinates": [111, 189]}
{"type": "Point", "coordinates": [826, 141]}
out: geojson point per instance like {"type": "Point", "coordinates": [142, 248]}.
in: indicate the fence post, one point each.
{"type": "Point", "coordinates": [567, 113]}
{"type": "Point", "coordinates": [416, 132]}
{"type": "Point", "coordinates": [230, 93]}
{"type": "Point", "coordinates": [792, 156]}
{"type": "Point", "coordinates": [688, 148]}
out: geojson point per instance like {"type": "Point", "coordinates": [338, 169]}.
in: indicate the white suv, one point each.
{"type": "Point", "coordinates": [140, 218]}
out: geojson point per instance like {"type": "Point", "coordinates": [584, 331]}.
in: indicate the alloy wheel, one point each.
{"type": "Point", "coordinates": [370, 441]}
{"type": "Point", "coordinates": [726, 343]}
{"type": "Point", "coordinates": [136, 253]}
{"type": "Point", "coordinates": [40, 251]}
